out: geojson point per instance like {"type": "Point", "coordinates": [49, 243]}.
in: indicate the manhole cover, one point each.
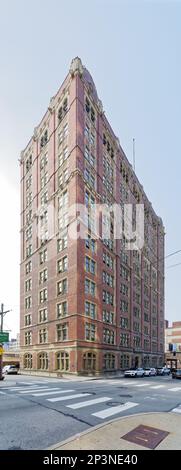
{"type": "Point", "coordinates": [146, 436]}
{"type": "Point", "coordinates": [114, 403]}
{"type": "Point", "coordinates": [126, 396]}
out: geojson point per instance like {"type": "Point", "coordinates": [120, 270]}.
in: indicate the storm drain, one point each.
{"type": "Point", "coordinates": [146, 436]}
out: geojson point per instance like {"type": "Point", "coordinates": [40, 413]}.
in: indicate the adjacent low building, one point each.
{"type": "Point", "coordinates": [91, 304]}
{"type": "Point", "coordinates": [173, 344]}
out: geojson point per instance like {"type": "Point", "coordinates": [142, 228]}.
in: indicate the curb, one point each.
{"type": "Point", "coordinates": [99, 426]}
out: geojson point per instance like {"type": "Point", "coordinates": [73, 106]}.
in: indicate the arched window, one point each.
{"type": "Point", "coordinates": [89, 361]}
{"type": "Point", "coordinates": [28, 361]}
{"type": "Point", "coordinates": [62, 361]}
{"type": "Point", "coordinates": [109, 361]}
{"type": "Point", "coordinates": [43, 361]}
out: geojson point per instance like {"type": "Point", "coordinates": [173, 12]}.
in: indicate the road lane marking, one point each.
{"type": "Point", "coordinates": [83, 404]}
{"type": "Point", "coordinates": [114, 410]}
{"type": "Point", "coordinates": [70, 397]}
{"type": "Point", "coordinates": [42, 394]}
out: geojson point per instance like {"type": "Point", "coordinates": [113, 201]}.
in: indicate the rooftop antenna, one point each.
{"type": "Point", "coordinates": [134, 161]}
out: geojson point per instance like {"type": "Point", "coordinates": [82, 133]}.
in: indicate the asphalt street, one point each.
{"type": "Point", "coordinates": [37, 412]}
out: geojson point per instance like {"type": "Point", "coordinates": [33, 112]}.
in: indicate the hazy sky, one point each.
{"type": "Point", "coordinates": [132, 49]}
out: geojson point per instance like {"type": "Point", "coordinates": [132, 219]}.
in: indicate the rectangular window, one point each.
{"type": "Point", "coordinates": [108, 317]}
{"type": "Point", "coordinates": [90, 309]}
{"type": "Point", "coordinates": [28, 302]}
{"type": "Point", "coordinates": [62, 309]}
{"type": "Point", "coordinates": [28, 319]}
{"type": "Point", "coordinates": [43, 315]}
{"type": "Point", "coordinates": [124, 322]}
{"type": "Point", "coordinates": [43, 256]}
{"type": "Point", "coordinates": [90, 287]}
{"type": "Point", "coordinates": [43, 276]}
{"type": "Point", "coordinates": [62, 287]}
{"type": "Point", "coordinates": [29, 251]}
{"type": "Point", "coordinates": [124, 306]}
{"type": "Point", "coordinates": [28, 285]}
{"type": "Point", "coordinates": [65, 130]}
{"type": "Point", "coordinates": [136, 341]}
{"type": "Point", "coordinates": [62, 332]}
{"type": "Point", "coordinates": [28, 338]}
{"type": "Point", "coordinates": [90, 243]}
{"type": "Point", "coordinates": [108, 336]}
{"type": "Point", "coordinates": [28, 267]}
{"type": "Point", "coordinates": [90, 332]}
{"type": "Point", "coordinates": [62, 243]}
{"type": "Point", "coordinates": [124, 340]}
{"type": "Point", "coordinates": [90, 265]}
{"type": "Point", "coordinates": [107, 297]}
{"type": "Point", "coordinates": [62, 264]}
{"type": "Point", "coordinates": [43, 296]}
{"type": "Point", "coordinates": [43, 336]}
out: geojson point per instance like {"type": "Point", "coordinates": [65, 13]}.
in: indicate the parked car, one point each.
{"type": "Point", "coordinates": [139, 372]}
{"type": "Point", "coordinates": [176, 374]}
{"type": "Point", "coordinates": [163, 371]}
{"type": "Point", "coordinates": [166, 371]}
{"type": "Point", "coordinates": [11, 369]}
{"type": "Point", "coordinates": [160, 370]}
{"type": "Point", "coordinates": [149, 371]}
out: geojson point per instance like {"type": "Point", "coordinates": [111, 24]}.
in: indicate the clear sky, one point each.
{"type": "Point", "coordinates": [132, 49]}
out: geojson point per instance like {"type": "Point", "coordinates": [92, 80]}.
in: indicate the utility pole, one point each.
{"type": "Point", "coordinates": [2, 313]}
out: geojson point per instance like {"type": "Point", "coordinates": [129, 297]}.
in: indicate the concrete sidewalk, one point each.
{"type": "Point", "coordinates": [109, 436]}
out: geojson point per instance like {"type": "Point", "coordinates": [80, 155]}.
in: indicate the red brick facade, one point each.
{"type": "Point", "coordinates": [74, 157]}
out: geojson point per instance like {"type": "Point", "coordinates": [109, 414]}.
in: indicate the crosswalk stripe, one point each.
{"type": "Point", "coordinates": [43, 389]}
{"type": "Point", "coordinates": [175, 389]}
{"type": "Point", "coordinates": [27, 383]}
{"type": "Point", "coordinates": [2, 393]}
{"type": "Point", "coordinates": [83, 404]}
{"type": "Point", "coordinates": [14, 389]}
{"type": "Point", "coordinates": [70, 397]}
{"type": "Point", "coordinates": [142, 385]}
{"type": "Point", "coordinates": [157, 386]}
{"type": "Point", "coordinates": [129, 383]}
{"type": "Point", "coordinates": [114, 410]}
{"type": "Point", "coordinates": [42, 394]}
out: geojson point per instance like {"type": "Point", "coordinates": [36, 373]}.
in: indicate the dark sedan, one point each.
{"type": "Point", "coordinates": [176, 374]}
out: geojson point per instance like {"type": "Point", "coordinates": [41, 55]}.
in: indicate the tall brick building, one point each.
{"type": "Point", "coordinates": [87, 305]}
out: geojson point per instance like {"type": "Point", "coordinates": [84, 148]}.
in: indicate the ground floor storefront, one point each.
{"type": "Point", "coordinates": [83, 360]}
